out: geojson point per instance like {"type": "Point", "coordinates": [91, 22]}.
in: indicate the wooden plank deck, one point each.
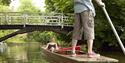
{"type": "Point", "coordinates": [84, 58]}
{"type": "Point", "coordinates": [59, 58]}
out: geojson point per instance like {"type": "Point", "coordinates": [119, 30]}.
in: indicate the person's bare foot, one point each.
{"type": "Point", "coordinates": [93, 55]}
{"type": "Point", "coordinates": [73, 55]}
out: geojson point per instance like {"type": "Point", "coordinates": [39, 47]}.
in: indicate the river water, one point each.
{"type": "Point", "coordinates": [31, 53]}
{"type": "Point", "coordinates": [22, 53]}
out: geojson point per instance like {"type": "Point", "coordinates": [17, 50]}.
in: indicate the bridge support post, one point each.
{"type": "Point", "coordinates": [62, 22]}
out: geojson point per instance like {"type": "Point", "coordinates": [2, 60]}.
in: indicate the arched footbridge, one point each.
{"type": "Point", "coordinates": [28, 22]}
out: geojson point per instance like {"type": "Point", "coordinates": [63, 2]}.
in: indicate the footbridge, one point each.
{"type": "Point", "coordinates": [28, 22]}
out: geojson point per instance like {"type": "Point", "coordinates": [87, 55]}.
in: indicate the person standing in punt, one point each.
{"type": "Point", "coordinates": [84, 22]}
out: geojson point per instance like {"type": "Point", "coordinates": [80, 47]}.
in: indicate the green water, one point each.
{"type": "Point", "coordinates": [115, 54]}
{"type": "Point", "coordinates": [22, 53]}
{"type": "Point", "coordinates": [31, 53]}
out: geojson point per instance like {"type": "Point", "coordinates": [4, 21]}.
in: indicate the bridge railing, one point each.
{"type": "Point", "coordinates": [18, 18]}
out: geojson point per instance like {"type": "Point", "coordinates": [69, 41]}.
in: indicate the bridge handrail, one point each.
{"type": "Point", "coordinates": [20, 18]}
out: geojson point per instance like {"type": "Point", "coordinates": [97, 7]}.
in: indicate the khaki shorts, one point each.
{"type": "Point", "coordinates": [84, 23]}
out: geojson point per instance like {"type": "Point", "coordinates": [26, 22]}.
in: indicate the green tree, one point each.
{"type": "Point", "coordinates": [4, 8]}
{"type": "Point", "coordinates": [38, 36]}
{"type": "Point", "coordinates": [4, 2]}
{"type": "Point", "coordinates": [27, 6]}
{"type": "Point", "coordinates": [104, 34]}
{"type": "Point", "coordinates": [4, 5]}
{"type": "Point", "coordinates": [59, 6]}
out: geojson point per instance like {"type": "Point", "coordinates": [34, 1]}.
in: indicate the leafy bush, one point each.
{"type": "Point", "coordinates": [104, 34]}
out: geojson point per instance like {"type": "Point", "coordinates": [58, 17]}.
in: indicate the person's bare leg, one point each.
{"type": "Point", "coordinates": [90, 45]}
{"type": "Point", "coordinates": [52, 49]}
{"type": "Point", "coordinates": [74, 43]}
{"type": "Point", "coordinates": [91, 54]}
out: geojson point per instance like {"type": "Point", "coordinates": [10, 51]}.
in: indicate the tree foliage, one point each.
{"type": "Point", "coordinates": [60, 6]}
{"type": "Point", "coordinates": [4, 8]}
{"type": "Point", "coordinates": [40, 36]}
{"type": "Point", "coordinates": [4, 5]}
{"type": "Point", "coordinates": [27, 6]}
{"type": "Point", "coordinates": [103, 30]}
{"type": "Point", "coordinates": [104, 34]}
{"type": "Point", "coordinates": [45, 36]}
{"type": "Point", "coordinates": [4, 2]}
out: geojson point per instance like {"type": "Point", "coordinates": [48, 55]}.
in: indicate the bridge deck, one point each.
{"type": "Point", "coordinates": [28, 22]}
{"type": "Point", "coordinates": [51, 19]}
{"type": "Point", "coordinates": [32, 26]}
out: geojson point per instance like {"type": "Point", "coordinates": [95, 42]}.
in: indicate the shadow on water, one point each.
{"type": "Point", "coordinates": [115, 54]}
{"type": "Point", "coordinates": [21, 53]}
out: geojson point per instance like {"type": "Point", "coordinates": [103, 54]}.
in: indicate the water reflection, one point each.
{"type": "Point", "coordinates": [31, 53]}
{"type": "Point", "coordinates": [3, 47]}
{"type": "Point", "coordinates": [115, 54]}
{"type": "Point", "coordinates": [22, 53]}
{"type": "Point", "coordinates": [17, 53]}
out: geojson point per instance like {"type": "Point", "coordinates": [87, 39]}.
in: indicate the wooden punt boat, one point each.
{"type": "Point", "coordinates": [65, 57]}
